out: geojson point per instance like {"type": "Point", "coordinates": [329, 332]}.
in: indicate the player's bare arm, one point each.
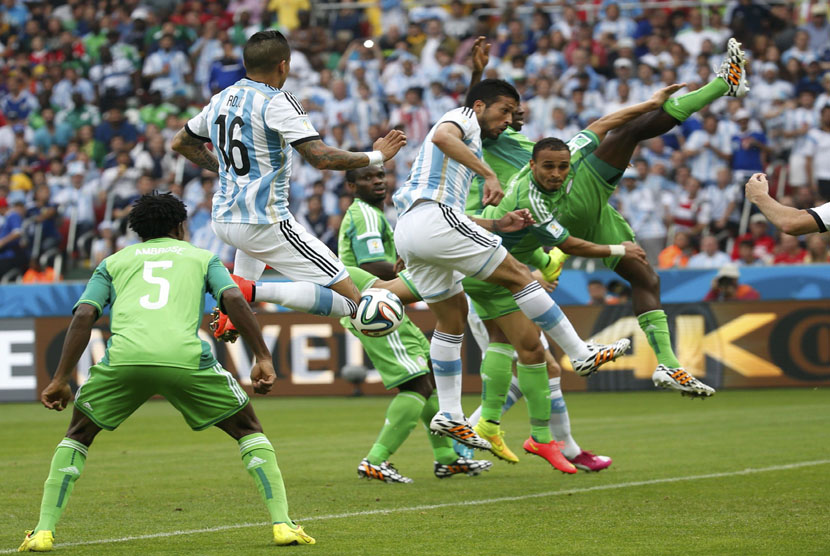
{"type": "Point", "coordinates": [262, 373]}
{"type": "Point", "coordinates": [448, 138]}
{"type": "Point", "coordinates": [513, 221]}
{"type": "Point", "coordinates": [195, 150]}
{"type": "Point", "coordinates": [787, 219]}
{"type": "Point", "coordinates": [581, 248]}
{"type": "Point", "coordinates": [602, 126]}
{"type": "Point", "coordinates": [326, 157]}
{"type": "Point", "coordinates": [57, 393]}
{"type": "Point", "coordinates": [480, 55]}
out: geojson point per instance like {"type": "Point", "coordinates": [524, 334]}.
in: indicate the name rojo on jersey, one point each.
{"type": "Point", "coordinates": [434, 175]}
{"type": "Point", "coordinates": [253, 127]}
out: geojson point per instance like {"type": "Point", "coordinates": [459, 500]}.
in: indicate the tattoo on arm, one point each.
{"type": "Point", "coordinates": [195, 151]}
{"type": "Point", "coordinates": [325, 157]}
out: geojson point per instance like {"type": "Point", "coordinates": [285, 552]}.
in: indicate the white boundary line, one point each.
{"type": "Point", "coordinates": [748, 471]}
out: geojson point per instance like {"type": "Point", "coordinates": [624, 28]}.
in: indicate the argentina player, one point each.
{"type": "Point", "coordinates": [253, 125]}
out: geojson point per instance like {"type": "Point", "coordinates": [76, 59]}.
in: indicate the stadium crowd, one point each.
{"type": "Point", "coordinates": [91, 94]}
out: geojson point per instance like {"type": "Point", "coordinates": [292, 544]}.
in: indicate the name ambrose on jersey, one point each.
{"type": "Point", "coordinates": [158, 250]}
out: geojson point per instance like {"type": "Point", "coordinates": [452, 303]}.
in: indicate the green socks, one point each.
{"type": "Point", "coordinates": [654, 324]}
{"type": "Point", "coordinates": [401, 417]}
{"type": "Point", "coordinates": [533, 380]}
{"type": "Point", "coordinates": [496, 372]}
{"type": "Point", "coordinates": [67, 465]}
{"type": "Point", "coordinates": [441, 445]}
{"type": "Point", "coordinates": [259, 459]}
{"type": "Point", "coordinates": [680, 108]}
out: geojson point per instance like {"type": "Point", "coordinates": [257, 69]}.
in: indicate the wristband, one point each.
{"type": "Point", "coordinates": [375, 158]}
{"type": "Point", "coordinates": [617, 250]}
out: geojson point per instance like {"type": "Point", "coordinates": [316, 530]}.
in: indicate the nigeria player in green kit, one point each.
{"type": "Point", "coordinates": [584, 174]}
{"type": "Point", "coordinates": [156, 290]}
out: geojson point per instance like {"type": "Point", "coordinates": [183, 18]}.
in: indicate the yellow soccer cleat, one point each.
{"type": "Point", "coordinates": [554, 268]}
{"type": "Point", "coordinates": [285, 535]}
{"type": "Point", "coordinates": [493, 434]}
{"type": "Point", "coordinates": [37, 542]}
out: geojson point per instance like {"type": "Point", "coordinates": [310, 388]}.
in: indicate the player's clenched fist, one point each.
{"type": "Point", "coordinates": [390, 144]}
{"type": "Point", "coordinates": [757, 187]}
{"type": "Point", "coordinates": [263, 376]}
{"type": "Point", "coordinates": [634, 251]}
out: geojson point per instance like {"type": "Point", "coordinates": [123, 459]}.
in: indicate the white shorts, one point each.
{"type": "Point", "coordinates": [286, 247]}
{"type": "Point", "coordinates": [441, 247]}
{"type": "Point", "coordinates": [798, 170]}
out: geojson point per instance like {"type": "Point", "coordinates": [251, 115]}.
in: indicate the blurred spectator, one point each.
{"type": "Point", "coordinates": [51, 133]}
{"type": "Point", "coordinates": [17, 103]}
{"type": "Point", "coordinates": [70, 84]}
{"type": "Point", "coordinates": [38, 274]}
{"type": "Point", "coordinates": [43, 214]}
{"type": "Point", "coordinates": [314, 219]}
{"type": "Point", "coordinates": [619, 293]}
{"type": "Point", "coordinates": [226, 70]}
{"type": "Point", "coordinates": [597, 292]}
{"type": "Point", "coordinates": [167, 69]}
{"type": "Point", "coordinates": [678, 253]}
{"type": "Point", "coordinates": [12, 253]}
{"type": "Point", "coordinates": [723, 197]}
{"type": "Point", "coordinates": [763, 246]}
{"type": "Point", "coordinates": [413, 117]}
{"type": "Point", "coordinates": [817, 250]}
{"type": "Point", "coordinates": [749, 148]}
{"type": "Point", "coordinates": [798, 123]}
{"type": "Point", "coordinates": [818, 29]}
{"type": "Point", "coordinates": [691, 212]}
{"type": "Point", "coordinates": [707, 149]}
{"type": "Point", "coordinates": [789, 251]}
{"type": "Point", "coordinates": [116, 125]}
{"type": "Point", "coordinates": [818, 163]}
{"type": "Point", "coordinates": [642, 208]}
{"type": "Point", "coordinates": [746, 254]}
{"type": "Point", "coordinates": [710, 255]}
{"type": "Point", "coordinates": [725, 287]}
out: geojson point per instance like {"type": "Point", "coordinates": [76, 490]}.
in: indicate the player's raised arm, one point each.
{"type": "Point", "coordinates": [481, 57]}
{"type": "Point", "coordinates": [326, 157]}
{"type": "Point", "coordinates": [787, 219]}
{"type": "Point", "coordinates": [616, 119]}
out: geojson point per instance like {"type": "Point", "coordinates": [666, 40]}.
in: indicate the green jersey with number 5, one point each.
{"type": "Point", "coordinates": [157, 293]}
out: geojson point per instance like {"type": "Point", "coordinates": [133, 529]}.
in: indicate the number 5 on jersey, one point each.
{"type": "Point", "coordinates": [163, 284]}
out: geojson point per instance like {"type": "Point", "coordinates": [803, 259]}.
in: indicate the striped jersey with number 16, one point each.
{"type": "Point", "coordinates": [253, 128]}
{"type": "Point", "coordinates": [434, 175]}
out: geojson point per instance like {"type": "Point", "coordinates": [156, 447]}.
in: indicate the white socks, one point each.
{"type": "Point", "coordinates": [445, 352]}
{"type": "Point", "coordinates": [306, 297]}
{"type": "Point", "coordinates": [538, 306]}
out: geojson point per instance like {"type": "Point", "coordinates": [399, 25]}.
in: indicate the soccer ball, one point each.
{"type": "Point", "coordinates": [379, 313]}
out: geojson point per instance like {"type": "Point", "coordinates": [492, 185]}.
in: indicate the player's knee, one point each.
{"type": "Point", "coordinates": [511, 274]}
{"type": "Point", "coordinates": [420, 385]}
{"type": "Point", "coordinates": [530, 352]}
{"type": "Point", "coordinates": [554, 370]}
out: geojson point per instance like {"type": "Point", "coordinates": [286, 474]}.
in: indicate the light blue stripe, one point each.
{"type": "Point", "coordinates": [323, 299]}
{"type": "Point", "coordinates": [549, 318]}
{"type": "Point", "coordinates": [557, 405]}
{"type": "Point", "coordinates": [446, 368]}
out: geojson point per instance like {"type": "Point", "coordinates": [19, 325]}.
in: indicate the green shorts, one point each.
{"type": "Point", "coordinates": [204, 397]}
{"type": "Point", "coordinates": [489, 300]}
{"type": "Point", "coordinates": [585, 211]}
{"type": "Point", "coordinates": [400, 356]}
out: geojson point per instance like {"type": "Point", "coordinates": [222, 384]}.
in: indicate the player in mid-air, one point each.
{"type": "Point", "coordinates": [253, 126]}
{"type": "Point", "coordinates": [441, 245]}
{"type": "Point", "coordinates": [592, 167]}
{"type": "Point", "coordinates": [156, 292]}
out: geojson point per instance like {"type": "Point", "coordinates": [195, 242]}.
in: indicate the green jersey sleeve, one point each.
{"type": "Point", "coordinates": [550, 233]}
{"type": "Point", "coordinates": [218, 279]}
{"type": "Point", "coordinates": [362, 279]}
{"type": "Point", "coordinates": [582, 144]}
{"type": "Point", "coordinates": [99, 291]}
{"type": "Point", "coordinates": [362, 239]}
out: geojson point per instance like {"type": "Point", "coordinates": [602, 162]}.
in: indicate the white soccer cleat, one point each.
{"type": "Point", "coordinates": [733, 70]}
{"type": "Point", "coordinates": [680, 380]}
{"type": "Point", "coordinates": [600, 354]}
{"type": "Point", "coordinates": [471, 467]}
{"type": "Point", "coordinates": [385, 472]}
{"type": "Point", "coordinates": [458, 428]}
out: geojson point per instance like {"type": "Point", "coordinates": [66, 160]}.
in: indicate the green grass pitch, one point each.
{"type": "Point", "coordinates": [747, 472]}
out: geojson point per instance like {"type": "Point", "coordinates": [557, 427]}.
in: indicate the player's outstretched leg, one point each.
{"type": "Point", "coordinates": [618, 146]}
{"type": "Point", "coordinates": [66, 467]}
{"type": "Point", "coordinates": [260, 461]}
{"type": "Point", "coordinates": [447, 462]}
{"type": "Point", "coordinates": [496, 372]}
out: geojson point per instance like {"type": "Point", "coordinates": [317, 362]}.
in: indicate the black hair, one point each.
{"type": "Point", "coordinates": [264, 51]}
{"type": "Point", "coordinates": [354, 174]}
{"type": "Point", "coordinates": [595, 282]}
{"type": "Point", "coordinates": [549, 144]}
{"type": "Point", "coordinates": [488, 91]}
{"type": "Point", "coordinates": [155, 215]}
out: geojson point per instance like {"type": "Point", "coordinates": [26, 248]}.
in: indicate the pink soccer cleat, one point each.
{"type": "Point", "coordinates": [588, 461]}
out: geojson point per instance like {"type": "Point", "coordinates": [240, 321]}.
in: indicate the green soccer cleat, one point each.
{"type": "Point", "coordinates": [285, 535]}
{"type": "Point", "coordinates": [554, 268]}
{"type": "Point", "coordinates": [493, 434]}
{"type": "Point", "coordinates": [37, 542]}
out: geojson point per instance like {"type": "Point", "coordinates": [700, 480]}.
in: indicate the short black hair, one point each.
{"type": "Point", "coordinates": [264, 51]}
{"type": "Point", "coordinates": [489, 91]}
{"type": "Point", "coordinates": [595, 282]}
{"type": "Point", "coordinates": [154, 215]}
{"type": "Point", "coordinates": [549, 144]}
{"type": "Point", "coordinates": [354, 174]}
